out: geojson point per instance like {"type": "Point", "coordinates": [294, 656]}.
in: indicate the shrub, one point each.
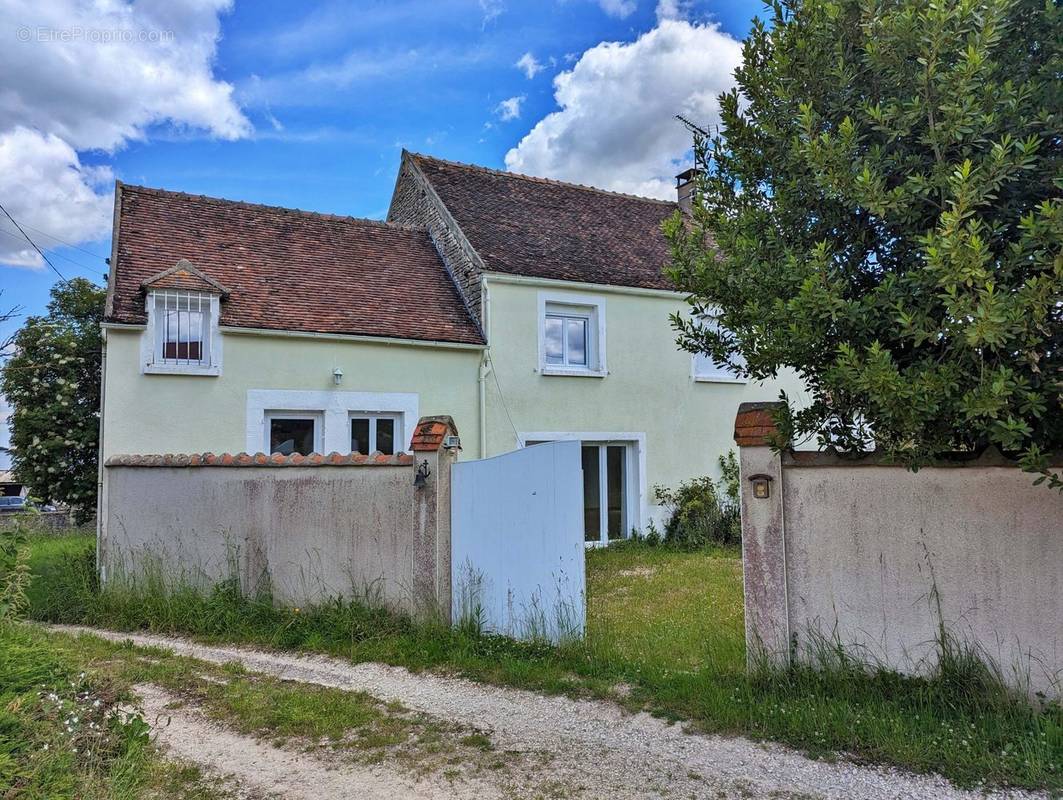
{"type": "Point", "coordinates": [702, 511]}
{"type": "Point", "coordinates": [697, 515]}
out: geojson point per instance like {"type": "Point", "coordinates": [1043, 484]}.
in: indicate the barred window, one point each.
{"type": "Point", "coordinates": [182, 328]}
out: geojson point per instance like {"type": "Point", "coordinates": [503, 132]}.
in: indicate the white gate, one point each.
{"type": "Point", "coordinates": [517, 557]}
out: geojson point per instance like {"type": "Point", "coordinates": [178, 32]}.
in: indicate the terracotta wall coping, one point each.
{"type": "Point", "coordinates": [260, 460]}
{"type": "Point", "coordinates": [431, 431]}
{"type": "Point", "coordinates": [755, 424]}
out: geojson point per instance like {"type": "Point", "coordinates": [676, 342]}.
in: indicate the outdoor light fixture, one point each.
{"type": "Point", "coordinates": [337, 376]}
{"type": "Point", "coordinates": [761, 486]}
{"type": "Point", "coordinates": [421, 478]}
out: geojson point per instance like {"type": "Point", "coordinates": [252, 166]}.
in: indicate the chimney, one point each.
{"type": "Point", "coordinates": [686, 183]}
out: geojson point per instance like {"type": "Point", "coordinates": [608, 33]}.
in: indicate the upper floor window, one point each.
{"type": "Point", "coordinates": [183, 331]}
{"type": "Point", "coordinates": [565, 337]}
{"type": "Point", "coordinates": [708, 371]}
{"type": "Point", "coordinates": [571, 334]}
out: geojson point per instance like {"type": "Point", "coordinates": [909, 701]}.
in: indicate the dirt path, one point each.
{"type": "Point", "coordinates": [260, 770]}
{"type": "Point", "coordinates": [599, 750]}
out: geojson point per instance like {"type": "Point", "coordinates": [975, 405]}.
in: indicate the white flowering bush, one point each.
{"type": "Point", "coordinates": [52, 382]}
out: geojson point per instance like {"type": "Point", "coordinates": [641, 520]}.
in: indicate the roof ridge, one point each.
{"type": "Point", "coordinates": [548, 181]}
{"type": "Point", "coordinates": [151, 190]}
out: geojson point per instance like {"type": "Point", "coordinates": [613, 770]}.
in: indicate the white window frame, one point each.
{"type": "Point", "coordinates": [153, 339]}
{"type": "Point", "coordinates": [335, 409]}
{"type": "Point", "coordinates": [273, 414]}
{"type": "Point", "coordinates": [635, 491]}
{"type": "Point", "coordinates": [574, 305]}
{"type": "Point", "coordinates": [374, 417]}
{"type": "Point", "coordinates": [704, 370]}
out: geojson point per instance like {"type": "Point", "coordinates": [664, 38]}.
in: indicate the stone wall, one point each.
{"type": "Point", "coordinates": [882, 559]}
{"type": "Point", "coordinates": [414, 202]}
{"type": "Point", "coordinates": [306, 528]}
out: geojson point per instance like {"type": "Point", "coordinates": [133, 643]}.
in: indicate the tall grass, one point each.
{"type": "Point", "coordinates": [664, 632]}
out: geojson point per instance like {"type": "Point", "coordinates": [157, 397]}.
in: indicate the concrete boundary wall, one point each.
{"type": "Point", "coordinates": [307, 528]}
{"type": "Point", "coordinates": [881, 559]}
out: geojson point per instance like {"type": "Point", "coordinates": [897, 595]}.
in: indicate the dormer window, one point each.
{"type": "Point", "coordinates": [182, 328]}
{"type": "Point", "coordinates": [183, 308]}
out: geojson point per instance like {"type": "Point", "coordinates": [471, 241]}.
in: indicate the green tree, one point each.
{"type": "Point", "coordinates": [885, 203]}
{"type": "Point", "coordinates": [52, 382]}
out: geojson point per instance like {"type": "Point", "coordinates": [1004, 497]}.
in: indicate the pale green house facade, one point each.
{"type": "Point", "coordinates": [527, 310]}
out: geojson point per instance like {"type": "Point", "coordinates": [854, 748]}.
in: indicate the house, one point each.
{"type": "Point", "coordinates": [527, 309]}
{"type": "Point", "coordinates": [10, 486]}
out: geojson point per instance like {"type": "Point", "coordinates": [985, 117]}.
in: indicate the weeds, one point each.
{"type": "Point", "coordinates": [664, 625]}
{"type": "Point", "coordinates": [64, 735]}
{"type": "Point", "coordinates": [14, 574]}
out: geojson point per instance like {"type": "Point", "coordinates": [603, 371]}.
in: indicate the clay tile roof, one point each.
{"type": "Point", "coordinates": [184, 275]}
{"type": "Point", "coordinates": [549, 229]}
{"type": "Point", "coordinates": [431, 431]}
{"type": "Point", "coordinates": [286, 269]}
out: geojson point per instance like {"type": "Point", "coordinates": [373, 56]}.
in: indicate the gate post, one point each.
{"type": "Point", "coordinates": [431, 516]}
{"type": "Point", "coordinates": [764, 573]}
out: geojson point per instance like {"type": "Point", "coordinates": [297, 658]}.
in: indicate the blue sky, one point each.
{"type": "Point", "coordinates": [308, 105]}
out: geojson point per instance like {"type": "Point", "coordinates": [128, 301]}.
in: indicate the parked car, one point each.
{"type": "Point", "coordinates": [10, 505]}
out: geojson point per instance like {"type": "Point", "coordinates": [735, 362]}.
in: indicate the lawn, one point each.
{"type": "Point", "coordinates": [664, 633]}
{"type": "Point", "coordinates": [664, 610]}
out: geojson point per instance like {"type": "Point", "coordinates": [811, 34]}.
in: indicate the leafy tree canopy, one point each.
{"type": "Point", "coordinates": [52, 381]}
{"type": "Point", "coordinates": [885, 203]}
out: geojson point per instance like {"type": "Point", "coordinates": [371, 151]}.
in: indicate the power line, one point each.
{"type": "Point", "coordinates": [502, 397]}
{"type": "Point", "coordinates": [28, 239]}
{"type": "Point", "coordinates": [60, 255]}
{"type": "Point", "coordinates": [64, 242]}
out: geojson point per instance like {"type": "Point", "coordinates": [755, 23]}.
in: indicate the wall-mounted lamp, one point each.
{"type": "Point", "coordinates": [337, 376]}
{"type": "Point", "coordinates": [421, 478]}
{"type": "Point", "coordinates": [761, 486]}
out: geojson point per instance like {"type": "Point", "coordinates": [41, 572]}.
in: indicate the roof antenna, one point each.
{"type": "Point", "coordinates": [690, 126]}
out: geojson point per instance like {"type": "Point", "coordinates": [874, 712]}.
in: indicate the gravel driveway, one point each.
{"type": "Point", "coordinates": [588, 749]}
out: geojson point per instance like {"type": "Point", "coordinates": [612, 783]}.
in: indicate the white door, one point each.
{"type": "Point", "coordinates": [607, 489]}
{"type": "Point", "coordinates": [517, 553]}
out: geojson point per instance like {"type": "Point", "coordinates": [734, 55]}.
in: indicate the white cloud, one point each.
{"type": "Point", "coordinates": [616, 126]}
{"type": "Point", "coordinates": [618, 8]}
{"type": "Point", "coordinates": [529, 65]}
{"type": "Point", "coordinates": [79, 77]}
{"type": "Point", "coordinates": [673, 9]}
{"type": "Point", "coordinates": [510, 109]}
{"type": "Point", "coordinates": [44, 185]}
{"type": "Point", "coordinates": [492, 10]}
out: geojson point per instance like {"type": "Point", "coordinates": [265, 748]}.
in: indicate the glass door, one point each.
{"type": "Point", "coordinates": [604, 492]}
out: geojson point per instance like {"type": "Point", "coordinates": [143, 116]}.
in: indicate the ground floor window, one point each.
{"type": "Point", "coordinates": [322, 421]}
{"type": "Point", "coordinates": [289, 433]}
{"type": "Point", "coordinates": [607, 490]}
{"type": "Point", "coordinates": [375, 433]}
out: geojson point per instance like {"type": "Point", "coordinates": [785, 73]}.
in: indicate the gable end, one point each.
{"type": "Point", "coordinates": [415, 202]}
